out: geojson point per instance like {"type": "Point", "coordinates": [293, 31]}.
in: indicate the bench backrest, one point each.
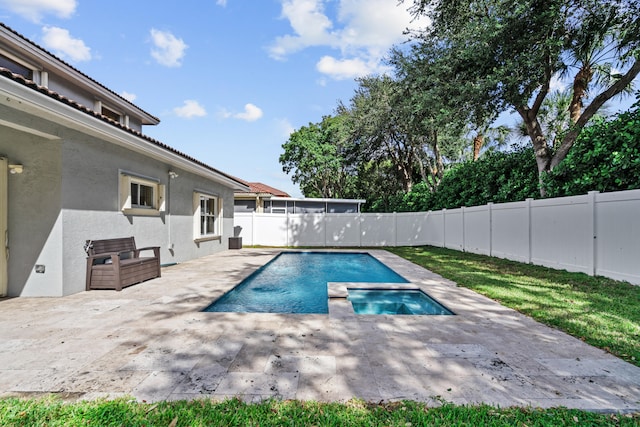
{"type": "Point", "coordinates": [95, 247]}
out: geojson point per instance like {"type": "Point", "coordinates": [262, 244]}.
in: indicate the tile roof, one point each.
{"type": "Point", "coordinates": [258, 187]}
{"type": "Point", "coordinates": [32, 85]}
{"type": "Point", "coordinates": [74, 69]}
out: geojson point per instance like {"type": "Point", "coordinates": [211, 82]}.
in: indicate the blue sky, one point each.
{"type": "Point", "coordinates": [229, 79]}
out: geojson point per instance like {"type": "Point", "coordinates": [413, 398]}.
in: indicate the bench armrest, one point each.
{"type": "Point", "coordinates": [155, 249]}
{"type": "Point", "coordinates": [114, 256]}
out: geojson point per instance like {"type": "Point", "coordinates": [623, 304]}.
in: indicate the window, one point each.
{"type": "Point", "coordinates": [275, 206]}
{"type": "Point", "coordinates": [140, 196]}
{"type": "Point", "coordinates": [207, 217]}
{"type": "Point", "coordinates": [110, 114]}
{"type": "Point", "coordinates": [16, 67]}
{"type": "Point", "coordinates": [244, 205]}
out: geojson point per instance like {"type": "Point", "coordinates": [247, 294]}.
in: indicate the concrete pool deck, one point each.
{"type": "Point", "coordinates": [151, 342]}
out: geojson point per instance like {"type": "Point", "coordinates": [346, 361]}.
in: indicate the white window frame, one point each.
{"type": "Point", "coordinates": [199, 216]}
{"type": "Point", "coordinates": [128, 206]}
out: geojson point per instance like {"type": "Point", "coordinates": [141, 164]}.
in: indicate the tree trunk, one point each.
{"type": "Point", "coordinates": [407, 182]}
{"type": "Point", "coordinates": [418, 159]}
{"type": "Point", "coordinates": [580, 85]}
{"type": "Point", "coordinates": [478, 142]}
{"type": "Point", "coordinates": [540, 147]}
{"type": "Point", "coordinates": [438, 157]}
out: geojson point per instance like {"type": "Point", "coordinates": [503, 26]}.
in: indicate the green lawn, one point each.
{"type": "Point", "coordinates": [53, 412]}
{"type": "Point", "coordinates": [602, 312]}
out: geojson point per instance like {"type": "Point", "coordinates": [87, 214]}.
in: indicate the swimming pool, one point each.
{"type": "Point", "coordinates": [296, 282]}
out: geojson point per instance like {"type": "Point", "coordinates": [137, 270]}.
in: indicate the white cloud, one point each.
{"type": "Point", "coordinates": [60, 42]}
{"type": "Point", "coordinates": [128, 96]}
{"type": "Point", "coordinates": [342, 69]}
{"type": "Point", "coordinates": [310, 25]}
{"type": "Point", "coordinates": [168, 49]}
{"type": "Point", "coordinates": [251, 113]}
{"type": "Point", "coordinates": [362, 31]}
{"type": "Point", "coordinates": [34, 10]}
{"type": "Point", "coordinates": [222, 3]}
{"type": "Point", "coordinates": [190, 109]}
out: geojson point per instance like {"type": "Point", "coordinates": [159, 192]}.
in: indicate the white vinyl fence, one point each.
{"type": "Point", "coordinates": [596, 233]}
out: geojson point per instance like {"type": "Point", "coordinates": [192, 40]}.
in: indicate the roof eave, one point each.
{"type": "Point", "coordinates": [24, 98]}
{"type": "Point", "coordinates": [63, 69]}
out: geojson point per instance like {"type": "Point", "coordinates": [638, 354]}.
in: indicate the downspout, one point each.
{"type": "Point", "coordinates": [172, 175]}
{"type": "Point", "coordinates": [169, 244]}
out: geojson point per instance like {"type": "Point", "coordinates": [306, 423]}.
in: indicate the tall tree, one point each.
{"type": "Point", "coordinates": [314, 155]}
{"type": "Point", "coordinates": [391, 121]}
{"type": "Point", "coordinates": [437, 98]}
{"type": "Point", "coordinates": [510, 51]}
{"type": "Point", "coordinates": [378, 130]}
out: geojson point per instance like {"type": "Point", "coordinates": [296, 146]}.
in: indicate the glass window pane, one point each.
{"type": "Point", "coordinates": [146, 196]}
{"type": "Point", "coordinates": [210, 225]}
{"type": "Point", "coordinates": [16, 68]}
{"type": "Point", "coordinates": [134, 194]}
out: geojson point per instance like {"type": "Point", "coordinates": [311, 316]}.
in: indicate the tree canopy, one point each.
{"type": "Point", "coordinates": [606, 157]}
{"type": "Point", "coordinates": [314, 155]}
{"type": "Point", "coordinates": [399, 140]}
{"type": "Point", "coordinates": [510, 53]}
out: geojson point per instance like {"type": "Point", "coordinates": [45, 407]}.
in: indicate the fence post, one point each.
{"type": "Point", "coordinates": [324, 220]}
{"type": "Point", "coordinates": [530, 231]}
{"type": "Point", "coordinates": [592, 233]}
{"type": "Point", "coordinates": [253, 227]}
{"type": "Point", "coordinates": [395, 229]}
{"type": "Point", "coordinates": [444, 227]}
{"type": "Point", "coordinates": [489, 205]}
{"type": "Point", "coordinates": [288, 227]}
{"type": "Point", "coordinates": [464, 243]}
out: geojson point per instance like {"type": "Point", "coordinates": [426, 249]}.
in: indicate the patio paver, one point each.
{"type": "Point", "coordinates": [152, 342]}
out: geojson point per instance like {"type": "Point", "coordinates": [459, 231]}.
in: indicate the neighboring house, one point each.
{"type": "Point", "coordinates": [75, 165]}
{"type": "Point", "coordinates": [310, 205]}
{"type": "Point", "coordinates": [262, 198]}
{"type": "Point", "coordinates": [253, 200]}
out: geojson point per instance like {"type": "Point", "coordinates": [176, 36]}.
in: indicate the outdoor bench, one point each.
{"type": "Point", "coordinates": [116, 263]}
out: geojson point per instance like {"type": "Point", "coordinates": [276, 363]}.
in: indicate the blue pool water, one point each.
{"type": "Point", "coordinates": [296, 282]}
{"type": "Point", "coordinates": [394, 301]}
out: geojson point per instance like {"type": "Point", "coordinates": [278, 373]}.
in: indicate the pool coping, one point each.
{"type": "Point", "coordinates": [338, 290]}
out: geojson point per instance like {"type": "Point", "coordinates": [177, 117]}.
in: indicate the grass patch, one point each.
{"type": "Point", "coordinates": [54, 412]}
{"type": "Point", "coordinates": [602, 312]}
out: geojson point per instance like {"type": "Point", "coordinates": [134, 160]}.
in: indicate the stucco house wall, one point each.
{"type": "Point", "coordinates": [34, 223]}
{"type": "Point", "coordinates": [68, 192]}
{"type": "Point", "coordinates": [72, 184]}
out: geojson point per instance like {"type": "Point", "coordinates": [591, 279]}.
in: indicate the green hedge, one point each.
{"type": "Point", "coordinates": [606, 157]}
